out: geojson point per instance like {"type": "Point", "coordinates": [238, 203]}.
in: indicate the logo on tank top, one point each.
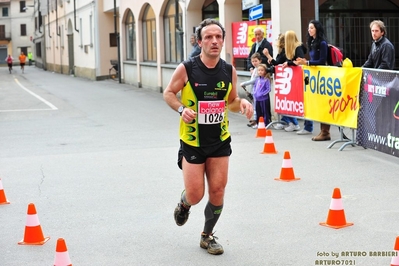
{"type": "Point", "coordinates": [210, 95]}
{"type": "Point", "coordinates": [220, 86]}
{"type": "Point", "coordinates": [196, 84]}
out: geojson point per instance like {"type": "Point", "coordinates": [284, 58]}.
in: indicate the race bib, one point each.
{"type": "Point", "coordinates": [211, 112]}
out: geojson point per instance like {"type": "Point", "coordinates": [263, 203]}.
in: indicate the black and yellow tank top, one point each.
{"type": "Point", "coordinates": [206, 92]}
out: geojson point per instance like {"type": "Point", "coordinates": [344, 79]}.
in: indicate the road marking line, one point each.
{"type": "Point", "coordinates": [25, 110]}
{"type": "Point", "coordinates": [37, 96]}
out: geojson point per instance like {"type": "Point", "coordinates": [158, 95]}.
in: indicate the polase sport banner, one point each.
{"type": "Point", "coordinates": [288, 91]}
{"type": "Point", "coordinates": [379, 115]}
{"type": "Point", "coordinates": [331, 94]}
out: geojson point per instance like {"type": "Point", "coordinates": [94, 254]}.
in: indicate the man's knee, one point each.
{"type": "Point", "coordinates": [194, 196]}
{"type": "Point", "coordinates": [217, 193]}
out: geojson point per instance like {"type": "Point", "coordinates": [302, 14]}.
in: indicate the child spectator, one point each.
{"type": "Point", "coordinates": [261, 92]}
{"type": "Point", "coordinates": [256, 59]}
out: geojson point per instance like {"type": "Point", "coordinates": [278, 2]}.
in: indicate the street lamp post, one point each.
{"type": "Point", "coordinates": [316, 9]}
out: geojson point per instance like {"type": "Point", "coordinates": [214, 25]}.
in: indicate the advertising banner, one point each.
{"type": "Point", "coordinates": [379, 115]}
{"type": "Point", "coordinates": [244, 36]}
{"type": "Point", "coordinates": [331, 94]}
{"type": "Point", "coordinates": [242, 42]}
{"type": "Point", "coordinates": [288, 91]}
{"type": "Point", "coordinates": [269, 28]}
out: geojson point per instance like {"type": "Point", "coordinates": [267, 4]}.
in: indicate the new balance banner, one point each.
{"type": "Point", "coordinates": [288, 91]}
{"type": "Point", "coordinates": [379, 115]}
{"type": "Point", "coordinates": [242, 41]}
{"type": "Point", "coordinates": [331, 94]}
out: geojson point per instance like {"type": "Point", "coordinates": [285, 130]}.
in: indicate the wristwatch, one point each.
{"type": "Point", "coordinates": [180, 110]}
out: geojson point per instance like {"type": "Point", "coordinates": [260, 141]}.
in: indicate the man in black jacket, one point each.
{"type": "Point", "coordinates": [382, 54]}
{"type": "Point", "coordinates": [258, 47]}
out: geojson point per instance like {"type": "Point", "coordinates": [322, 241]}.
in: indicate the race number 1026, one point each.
{"type": "Point", "coordinates": [210, 112]}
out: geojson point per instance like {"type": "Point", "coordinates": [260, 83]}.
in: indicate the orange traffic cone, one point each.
{"type": "Point", "coordinates": [261, 132]}
{"type": "Point", "coordinates": [61, 254]}
{"type": "Point", "coordinates": [395, 259]}
{"type": "Point", "coordinates": [3, 199]}
{"type": "Point", "coordinates": [287, 171]}
{"type": "Point", "coordinates": [336, 215]}
{"type": "Point", "coordinates": [33, 231]}
{"type": "Point", "coordinates": [268, 147]}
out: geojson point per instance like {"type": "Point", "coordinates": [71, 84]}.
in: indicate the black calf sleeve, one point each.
{"type": "Point", "coordinates": [212, 214]}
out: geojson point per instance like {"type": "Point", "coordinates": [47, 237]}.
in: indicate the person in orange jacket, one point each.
{"type": "Point", "coordinates": [22, 59]}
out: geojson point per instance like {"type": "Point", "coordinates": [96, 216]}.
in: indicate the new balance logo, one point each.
{"type": "Point", "coordinates": [283, 81]}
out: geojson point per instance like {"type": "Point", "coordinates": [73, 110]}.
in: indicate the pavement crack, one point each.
{"type": "Point", "coordinates": [41, 181]}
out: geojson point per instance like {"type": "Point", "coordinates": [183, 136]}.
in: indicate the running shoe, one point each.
{"type": "Point", "coordinates": [208, 242]}
{"type": "Point", "coordinates": [181, 214]}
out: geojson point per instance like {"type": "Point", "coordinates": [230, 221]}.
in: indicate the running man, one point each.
{"type": "Point", "coordinates": [208, 91]}
{"type": "Point", "coordinates": [22, 60]}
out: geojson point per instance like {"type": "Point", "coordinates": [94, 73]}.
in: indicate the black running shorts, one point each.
{"type": "Point", "coordinates": [198, 155]}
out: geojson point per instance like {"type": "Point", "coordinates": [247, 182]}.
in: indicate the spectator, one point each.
{"type": "Point", "coordinates": [318, 49]}
{"type": "Point", "coordinates": [255, 59]}
{"type": "Point", "coordinates": [261, 90]}
{"type": "Point", "coordinates": [295, 49]}
{"type": "Point", "coordinates": [382, 52]}
{"type": "Point", "coordinates": [259, 47]}
{"type": "Point", "coordinates": [196, 50]}
{"type": "Point", "coordinates": [280, 57]}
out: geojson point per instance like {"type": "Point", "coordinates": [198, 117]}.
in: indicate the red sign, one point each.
{"type": "Point", "coordinates": [240, 38]}
{"type": "Point", "coordinates": [268, 23]}
{"type": "Point", "coordinates": [289, 91]}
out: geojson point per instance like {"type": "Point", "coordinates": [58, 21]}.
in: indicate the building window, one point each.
{"type": "Point", "coordinates": [210, 9]}
{"type": "Point", "coordinates": [113, 42]}
{"type": "Point", "coordinates": [5, 12]}
{"type": "Point", "coordinates": [130, 37]}
{"type": "Point", "coordinates": [149, 35]}
{"type": "Point", "coordinates": [2, 32]}
{"type": "Point", "coordinates": [22, 6]}
{"type": "Point", "coordinates": [23, 29]}
{"type": "Point", "coordinates": [173, 33]}
{"type": "Point", "coordinates": [24, 50]}
{"type": "Point", "coordinates": [38, 49]}
{"type": "Point", "coordinates": [40, 19]}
